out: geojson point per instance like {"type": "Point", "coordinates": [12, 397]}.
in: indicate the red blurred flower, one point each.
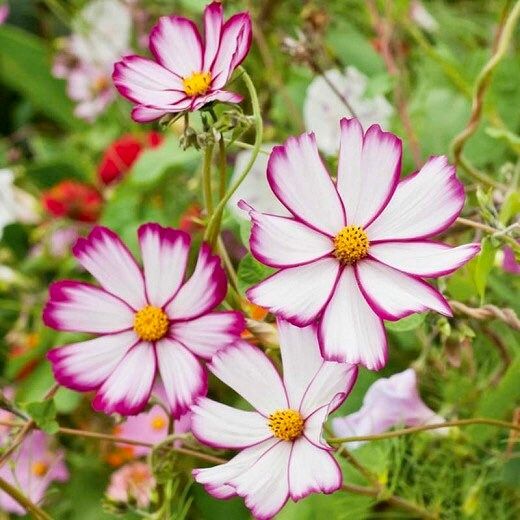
{"type": "Point", "coordinates": [73, 199]}
{"type": "Point", "coordinates": [121, 155]}
{"type": "Point", "coordinates": [189, 219]}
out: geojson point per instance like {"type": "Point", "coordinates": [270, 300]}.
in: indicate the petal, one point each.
{"type": "Point", "coordinates": [285, 242]}
{"type": "Point", "coordinates": [81, 307]}
{"type": "Point", "coordinates": [368, 170]}
{"type": "Point", "coordinates": [145, 82]}
{"type": "Point", "coordinates": [143, 114]}
{"type": "Point", "coordinates": [165, 255]}
{"type": "Point", "coordinates": [350, 331]}
{"type": "Point", "coordinates": [213, 20]}
{"type": "Point", "coordinates": [107, 259]}
{"type": "Point", "coordinates": [298, 294]}
{"type": "Point", "coordinates": [128, 388]}
{"type": "Point", "coordinates": [235, 42]}
{"type": "Point", "coordinates": [250, 373]}
{"type": "Point", "coordinates": [176, 44]}
{"type": "Point", "coordinates": [205, 289]}
{"type": "Point", "coordinates": [221, 426]}
{"type": "Point", "coordinates": [423, 258]}
{"type": "Point", "coordinates": [299, 179]}
{"type": "Point", "coordinates": [394, 295]}
{"type": "Point", "coordinates": [182, 375]}
{"type": "Point", "coordinates": [218, 95]}
{"type": "Point", "coordinates": [206, 335]}
{"type": "Point", "coordinates": [86, 365]}
{"type": "Point", "coordinates": [423, 205]}
{"type": "Point", "coordinates": [312, 470]}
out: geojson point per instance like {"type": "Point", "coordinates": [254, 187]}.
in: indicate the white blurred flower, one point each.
{"type": "Point", "coordinates": [255, 188]}
{"type": "Point", "coordinates": [16, 205]}
{"type": "Point", "coordinates": [421, 16]}
{"type": "Point", "coordinates": [323, 108]}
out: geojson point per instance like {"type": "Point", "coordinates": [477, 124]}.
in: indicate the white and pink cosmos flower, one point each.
{"type": "Point", "coordinates": [187, 71]}
{"type": "Point", "coordinates": [354, 251]}
{"type": "Point", "coordinates": [283, 452]}
{"type": "Point", "coordinates": [151, 322]}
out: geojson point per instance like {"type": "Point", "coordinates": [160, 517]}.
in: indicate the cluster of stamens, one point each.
{"type": "Point", "coordinates": [197, 84]}
{"type": "Point", "coordinates": [158, 422]}
{"type": "Point", "coordinates": [286, 425]}
{"type": "Point", "coordinates": [151, 323]}
{"type": "Point", "coordinates": [39, 468]}
{"type": "Point", "coordinates": [351, 244]}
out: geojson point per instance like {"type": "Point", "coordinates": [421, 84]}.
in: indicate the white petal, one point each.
{"type": "Point", "coordinates": [183, 377]}
{"type": "Point", "coordinates": [248, 371]}
{"type": "Point", "coordinates": [165, 255]}
{"type": "Point", "coordinates": [205, 289]}
{"type": "Point", "coordinates": [423, 205]}
{"type": "Point", "coordinates": [312, 470]}
{"type": "Point", "coordinates": [299, 179]}
{"type": "Point", "coordinates": [107, 259]}
{"type": "Point", "coordinates": [350, 331]}
{"type": "Point", "coordinates": [221, 426]}
{"type": "Point", "coordinates": [423, 258]}
{"type": "Point", "coordinates": [368, 170]}
{"type": "Point", "coordinates": [298, 294]}
{"type": "Point", "coordinates": [128, 388]}
{"type": "Point", "coordinates": [394, 295]}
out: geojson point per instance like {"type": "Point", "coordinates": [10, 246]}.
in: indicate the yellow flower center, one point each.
{"type": "Point", "coordinates": [286, 424]}
{"type": "Point", "coordinates": [158, 422]}
{"type": "Point", "coordinates": [351, 244]}
{"type": "Point", "coordinates": [39, 468]}
{"type": "Point", "coordinates": [151, 323]}
{"type": "Point", "coordinates": [197, 84]}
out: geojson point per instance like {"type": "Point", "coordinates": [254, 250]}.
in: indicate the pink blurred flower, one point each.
{"type": "Point", "coordinates": [32, 468]}
{"type": "Point", "coordinates": [509, 263]}
{"type": "Point", "coordinates": [151, 427]}
{"type": "Point", "coordinates": [132, 482]}
{"type": "Point", "coordinates": [186, 72]}
{"type": "Point", "coordinates": [388, 402]}
{"type": "Point", "coordinates": [4, 13]}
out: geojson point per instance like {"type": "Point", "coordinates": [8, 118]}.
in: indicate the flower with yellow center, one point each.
{"type": "Point", "coordinates": [151, 323]}
{"type": "Point", "coordinates": [39, 468]}
{"type": "Point", "coordinates": [286, 425]}
{"type": "Point", "coordinates": [158, 422]}
{"type": "Point", "coordinates": [351, 244]}
{"type": "Point", "coordinates": [197, 84]}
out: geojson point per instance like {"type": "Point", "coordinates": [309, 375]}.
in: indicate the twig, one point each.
{"type": "Point", "coordinates": [488, 312]}
{"type": "Point", "coordinates": [29, 506]}
{"type": "Point", "coordinates": [424, 427]}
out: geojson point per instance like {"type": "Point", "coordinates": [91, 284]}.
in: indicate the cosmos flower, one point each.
{"type": "Point", "coordinates": [323, 108]}
{"type": "Point", "coordinates": [355, 251]}
{"type": "Point", "coordinates": [388, 402]}
{"type": "Point", "coordinates": [120, 156]}
{"type": "Point", "coordinates": [73, 199]}
{"type": "Point", "coordinates": [150, 322]}
{"type": "Point", "coordinates": [134, 482]}
{"type": "Point", "coordinates": [509, 263]}
{"type": "Point", "coordinates": [32, 468]}
{"type": "Point", "coordinates": [187, 72]}
{"type": "Point", "coordinates": [282, 452]}
{"type": "Point", "coordinates": [4, 13]}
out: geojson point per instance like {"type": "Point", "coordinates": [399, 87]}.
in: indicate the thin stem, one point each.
{"type": "Point", "coordinates": [206, 179]}
{"type": "Point", "coordinates": [392, 500]}
{"type": "Point", "coordinates": [246, 146]}
{"type": "Point", "coordinates": [29, 506]}
{"type": "Point", "coordinates": [213, 228]}
{"type": "Point", "coordinates": [369, 475]}
{"type": "Point", "coordinates": [233, 278]}
{"type": "Point", "coordinates": [222, 167]}
{"type": "Point", "coordinates": [424, 427]}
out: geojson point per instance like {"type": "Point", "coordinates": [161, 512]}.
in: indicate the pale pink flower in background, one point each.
{"type": "Point", "coordinates": [389, 402]}
{"type": "Point", "coordinates": [254, 189]}
{"type": "Point", "coordinates": [32, 468]}
{"type": "Point", "coordinates": [4, 13]}
{"type": "Point", "coordinates": [422, 17]}
{"type": "Point", "coordinates": [283, 454]}
{"type": "Point", "coordinates": [5, 416]}
{"type": "Point", "coordinates": [323, 108]}
{"type": "Point", "coordinates": [509, 263]}
{"type": "Point", "coordinates": [187, 72]}
{"type": "Point", "coordinates": [134, 482]}
{"type": "Point", "coordinates": [150, 321]}
{"type": "Point", "coordinates": [354, 252]}
{"type": "Point", "coordinates": [151, 427]}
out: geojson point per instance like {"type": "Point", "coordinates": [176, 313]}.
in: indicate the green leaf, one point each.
{"type": "Point", "coordinates": [408, 323]}
{"type": "Point", "coordinates": [510, 207]}
{"type": "Point", "coordinates": [250, 272]}
{"type": "Point", "coordinates": [482, 265]}
{"type": "Point", "coordinates": [44, 414]}
{"type": "Point", "coordinates": [25, 64]}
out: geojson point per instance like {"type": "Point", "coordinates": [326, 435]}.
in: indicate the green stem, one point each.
{"type": "Point", "coordinates": [29, 506]}
{"type": "Point", "coordinates": [206, 180]}
{"type": "Point", "coordinates": [213, 228]}
{"type": "Point", "coordinates": [424, 427]}
{"type": "Point", "coordinates": [222, 167]}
